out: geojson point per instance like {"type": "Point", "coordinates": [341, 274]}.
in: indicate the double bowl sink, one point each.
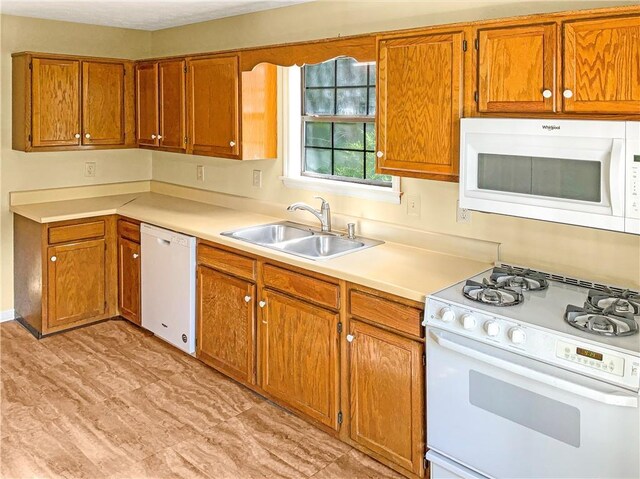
{"type": "Point", "coordinates": [300, 240]}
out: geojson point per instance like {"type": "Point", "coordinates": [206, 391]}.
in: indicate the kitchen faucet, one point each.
{"type": "Point", "coordinates": [324, 214]}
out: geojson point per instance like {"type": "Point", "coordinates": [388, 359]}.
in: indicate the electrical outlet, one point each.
{"type": "Point", "coordinates": [90, 169]}
{"type": "Point", "coordinates": [463, 215]}
{"type": "Point", "coordinates": [257, 178]}
{"type": "Point", "coordinates": [200, 173]}
{"type": "Point", "coordinates": [413, 205]}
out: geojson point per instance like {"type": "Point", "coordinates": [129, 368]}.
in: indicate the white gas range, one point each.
{"type": "Point", "coordinates": [531, 375]}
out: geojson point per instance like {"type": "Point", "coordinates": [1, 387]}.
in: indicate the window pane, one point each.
{"type": "Point", "coordinates": [349, 164]}
{"type": "Point", "coordinates": [317, 134]}
{"type": "Point", "coordinates": [372, 74]}
{"type": "Point", "coordinates": [372, 101]}
{"type": "Point", "coordinates": [322, 74]}
{"type": "Point", "coordinates": [319, 102]}
{"type": "Point", "coordinates": [370, 136]}
{"type": "Point", "coordinates": [351, 73]}
{"type": "Point", "coordinates": [318, 161]}
{"type": "Point", "coordinates": [348, 135]}
{"type": "Point", "coordinates": [351, 101]}
{"type": "Point", "coordinates": [371, 170]}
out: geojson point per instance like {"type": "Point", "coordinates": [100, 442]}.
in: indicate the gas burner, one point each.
{"type": "Point", "coordinates": [525, 280]}
{"type": "Point", "coordinates": [606, 322]}
{"type": "Point", "coordinates": [625, 302]}
{"type": "Point", "coordinates": [489, 293]}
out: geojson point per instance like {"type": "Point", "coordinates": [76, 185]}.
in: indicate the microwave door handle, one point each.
{"type": "Point", "coordinates": [616, 177]}
{"type": "Point", "coordinates": [528, 373]}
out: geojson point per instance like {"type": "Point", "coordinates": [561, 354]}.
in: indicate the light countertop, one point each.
{"type": "Point", "coordinates": [394, 268]}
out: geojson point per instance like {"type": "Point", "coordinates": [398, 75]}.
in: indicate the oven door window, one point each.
{"type": "Point", "coordinates": [548, 177]}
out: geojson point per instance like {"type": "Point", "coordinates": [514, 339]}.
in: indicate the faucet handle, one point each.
{"type": "Point", "coordinates": [324, 202]}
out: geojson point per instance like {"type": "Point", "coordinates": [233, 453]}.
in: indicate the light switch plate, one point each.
{"type": "Point", "coordinates": [413, 205]}
{"type": "Point", "coordinates": [200, 173]}
{"type": "Point", "coordinates": [90, 169]}
{"type": "Point", "coordinates": [257, 178]}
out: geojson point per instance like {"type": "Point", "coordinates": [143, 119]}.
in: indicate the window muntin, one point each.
{"type": "Point", "coordinates": [338, 122]}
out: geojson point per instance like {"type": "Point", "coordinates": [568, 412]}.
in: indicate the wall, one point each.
{"type": "Point", "coordinates": [27, 171]}
{"type": "Point", "coordinates": [606, 256]}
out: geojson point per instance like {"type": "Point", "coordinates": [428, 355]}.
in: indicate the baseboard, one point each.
{"type": "Point", "coordinates": [7, 315]}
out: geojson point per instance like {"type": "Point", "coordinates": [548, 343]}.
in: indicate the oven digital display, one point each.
{"type": "Point", "coordinates": [636, 158]}
{"type": "Point", "coordinates": [589, 354]}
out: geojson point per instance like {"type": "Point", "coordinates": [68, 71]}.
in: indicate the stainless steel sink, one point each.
{"type": "Point", "coordinates": [301, 240]}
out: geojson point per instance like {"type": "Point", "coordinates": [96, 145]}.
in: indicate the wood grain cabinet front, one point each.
{"type": "Point", "coordinates": [420, 105]}
{"type": "Point", "coordinates": [103, 108]}
{"type": "Point", "coordinates": [299, 359]}
{"type": "Point", "coordinates": [129, 273]}
{"type": "Point", "coordinates": [147, 101]}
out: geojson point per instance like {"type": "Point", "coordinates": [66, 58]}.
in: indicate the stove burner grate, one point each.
{"type": "Point", "coordinates": [489, 293]}
{"type": "Point", "coordinates": [605, 322]}
{"type": "Point", "coordinates": [625, 302]}
{"type": "Point", "coordinates": [518, 280]}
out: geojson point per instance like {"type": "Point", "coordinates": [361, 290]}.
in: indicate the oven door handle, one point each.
{"type": "Point", "coordinates": [616, 177]}
{"type": "Point", "coordinates": [528, 373]}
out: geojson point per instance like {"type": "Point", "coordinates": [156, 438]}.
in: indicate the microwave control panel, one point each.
{"type": "Point", "coordinates": [634, 187]}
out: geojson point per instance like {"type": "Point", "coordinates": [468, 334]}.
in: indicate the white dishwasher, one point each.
{"type": "Point", "coordinates": [169, 286]}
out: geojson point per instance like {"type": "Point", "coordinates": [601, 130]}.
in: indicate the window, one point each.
{"type": "Point", "coordinates": [338, 122]}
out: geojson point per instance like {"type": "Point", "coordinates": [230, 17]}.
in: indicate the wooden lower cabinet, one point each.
{"type": "Point", "coordinates": [226, 323]}
{"type": "Point", "coordinates": [76, 282]}
{"type": "Point", "coordinates": [299, 360]}
{"type": "Point", "coordinates": [387, 394]}
{"type": "Point", "coordinates": [129, 279]}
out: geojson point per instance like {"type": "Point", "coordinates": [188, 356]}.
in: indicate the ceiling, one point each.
{"type": "Point", "coordinates": [138, 14]}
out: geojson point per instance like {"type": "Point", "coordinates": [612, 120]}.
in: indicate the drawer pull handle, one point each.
{"type": "Point", "coordinates": [54, 259]}
{"type": "Point", "coordinates": [350, 337]}
{"type": "Point", "coordinates": [247, 299]}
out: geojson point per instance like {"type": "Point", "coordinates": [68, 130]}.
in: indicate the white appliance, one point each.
{"type": "Point", "coordinates": [533, 384]}
{"type": "Point", "coordinates": [579, 172]}
{"type": "Point", "coordinates": [169, 286]}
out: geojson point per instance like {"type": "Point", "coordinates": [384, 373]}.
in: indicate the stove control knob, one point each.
{"type": "Point", "coordinates": [492, 328]}
{"type": "Point", "coordinates": [517, 335]}
{"type": "Point", "coordinates": [447, 315]}
{"type": "Point", "coordinates": [468, 321]}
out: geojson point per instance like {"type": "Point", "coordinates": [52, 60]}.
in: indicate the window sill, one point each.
{"type": "Point", "coordinates": [376, 193]}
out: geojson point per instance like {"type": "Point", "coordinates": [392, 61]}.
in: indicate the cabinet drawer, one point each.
{"type": "Point", "coordinates": [63, 234]}
{"type": "Point", "coordinates": [305, 287]}
{"type": "Point", "coordinates": [226, 261]}
{"type": "Point", "coordinates": [387, 313]}
{"type": "Point", "coordinates": [129, 230]}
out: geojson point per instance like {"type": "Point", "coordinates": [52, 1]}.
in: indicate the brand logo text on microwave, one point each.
{"type": "Point", "coordinates": [550, 127]}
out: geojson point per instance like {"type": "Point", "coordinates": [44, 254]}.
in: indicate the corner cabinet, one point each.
{"type": "Point", "coordinates": [71, 103]}
{"type": "Point", "coordinates": [420, 104]}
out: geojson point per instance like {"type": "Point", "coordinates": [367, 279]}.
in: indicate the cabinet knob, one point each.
{"type": "Point", "coordinates": [262, 304]}
{"type": "Point", "coordinates": [232, 144]}
{"type": "Point", "coordinates": [135, 255]}
{"type": "Point", "coordinates": [87, 135]}
{"type": "Point", "coordinates": [54, 259]}
{"type": "Point", "coordinates": [567, 93]}
{"type": "Point", "coordinates": [153, 137]}
{"type": "Point", "coordinates": [379, 154]}
{"type": "Point", "coordinates": [247, 298]}
{"type": "Point", "coordinates": [547, 93]}
{"type": "Point", "coordinates": [77, 135]}
{"type": "Point", "coordinates": [159, 137]}
{"type": "Point", "coordinates": [350, 337]}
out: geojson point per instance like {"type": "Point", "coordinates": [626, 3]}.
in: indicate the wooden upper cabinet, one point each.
{"type": "Point", "coordinates": [172, 85]}
{"type": "Point", "coordinates": [420, 105]}
{"type": "Point", "coordinates": [76, 282]}
{"type": "Point", "coordinates": [214, 104]}
{"type": "Point", "coordinates": [517, 69]}
{"type": "Point", "coordinates": [55, 102]}
{"type": "Point", "coordinates": [299, 360]}
{"type": "Point", "coordinates": [387, 395]}
{"type": "Point", "coordinates": [103, 113]}
{"type": "Point", "coordinates": [147, 124]}
{"type": "Point", "coordinates": [226, 327]}
{"type": "Point", "coordinates": [602, 65]}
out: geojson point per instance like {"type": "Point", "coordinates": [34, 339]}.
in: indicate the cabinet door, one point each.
{"type": "Point", "coordinates": [387, 395]}
{"type": "Point", "coordinates": [55, 102]}
{"type": "Point", "coordinates": [172, 104]}
{"type": "Point", "coordinates": [129, 279]}
{"type": "Point", "coordinates": [602, 65]}
{"type": "Point", "coordinates": [213, 106]}
{"type": "Point", "coordinates": [226, 326]}
{"type": "Point", "coordinates": [419, 105]}
{"type": "Point", "coordinates": [147, 103]}
{"type": "Point", "coordinates": [102, 103]}
{"type": "Point", "coordinates": [299, 355]}
{"type": "Point", "coordinates": [516, 69]}
{"type": "Point", "coordinates": [76, 282]}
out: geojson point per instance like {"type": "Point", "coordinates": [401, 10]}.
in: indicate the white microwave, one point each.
{"type": "Point", "coordinates": [578, 172]}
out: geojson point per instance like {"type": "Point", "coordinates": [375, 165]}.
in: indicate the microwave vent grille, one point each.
{"type": "Point", "coordinates": [569, 280]}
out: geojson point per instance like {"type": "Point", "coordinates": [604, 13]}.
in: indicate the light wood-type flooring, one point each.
{"type": "Point", "coordinates": [112, 401]}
